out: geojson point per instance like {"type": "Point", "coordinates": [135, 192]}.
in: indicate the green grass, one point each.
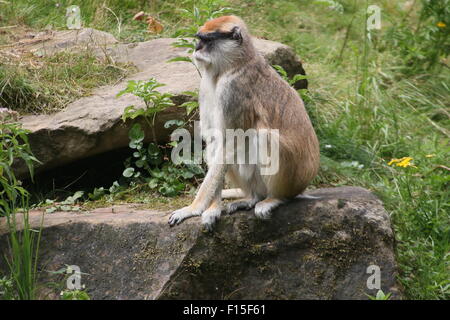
{"type": "Point", "coordinates": [367, 103]}
{"type": "Point", "coordinates": [55, 82]}
{"type": "Point", "coordinates": [22, 240]}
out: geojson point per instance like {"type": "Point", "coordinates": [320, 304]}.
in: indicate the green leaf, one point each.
{"type": "Point", "coordinates": [190, 106]}
{"type": "Point", "coordinates": [190, 93]}
{"type": "Point", "coordinates": [97, 193]}
{"type": "Point", "coordinates": [136, 134]}
{"type": "Point", "coordinates": [186, 59]}
{"type": "Point", "coordinates": [128, 172]}
{"type": "Point", "coordinates": [153, 183]}
{"type": "Point", "coordinates": [167, 191]}
{"type": "Point", "coordinates": [115, 187]}
{"type": "Point", "coordinates": [156, 173]}
{"type": "Point", "coordinates": [66, 208]}
{"type": "Point", "coordinates": [140, 163]}
{"type": "Point", "coordinates": [50, 210]}
{"type": "Point", "coordinates": [153, 150]}
{"type": "Point", "coordinates": [280, 71]}
{"type": "Point", "coordinates": [72, 199]}
{"type": "Point", "coordinates": [175, 122]}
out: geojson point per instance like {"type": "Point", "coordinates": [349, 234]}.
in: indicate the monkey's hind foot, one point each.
{"type": "Point", "coordinates": [264, 209]}
{"type": "Point", "coordinates": [210, 217]}
{"type": "Point", "coordinates": [181, 214]}
{"type": "Point", "coordinates": [243, 204]}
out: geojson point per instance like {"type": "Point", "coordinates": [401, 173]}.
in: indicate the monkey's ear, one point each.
{"type": "Point", "coordinates": [237, 35]}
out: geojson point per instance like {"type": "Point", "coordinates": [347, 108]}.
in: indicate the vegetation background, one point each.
{"type": "Point", "coordinates": [379, 102]}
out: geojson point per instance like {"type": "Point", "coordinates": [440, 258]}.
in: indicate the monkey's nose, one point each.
{"type": "Point", "coordinates": [199, 46]}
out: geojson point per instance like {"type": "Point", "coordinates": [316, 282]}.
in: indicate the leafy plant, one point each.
{"type": "Point", "coordinates": [75, 295]}
{"type": "Point", "coordinates": [293, 80]}
{"type": "Point", "coordinates": [147, 165]}
{"type": "Point", "coordinates": [425, 43]}
{"type": "Point", "coordinates": [6, 288]}
{"type": "Point", "coordinates": [154, 101]}
{"type": "Point", "coordinates": [97, 193]}
{"type": "Point", "coordinates": [380, 296]}
{"type": "Point", "coordinates": [13, 146]}
{"type": "Point", "coordinates": [23, 243]}
{"type": "Point", "coordinates": [192, 104]}
{"type": "Point", "coordinates": [66, 205]}
{"type": "Point", "coordinates": [142, 157]}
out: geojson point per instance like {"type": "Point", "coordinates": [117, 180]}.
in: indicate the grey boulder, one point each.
{"type": "Point", "coordinates": [309, 249]}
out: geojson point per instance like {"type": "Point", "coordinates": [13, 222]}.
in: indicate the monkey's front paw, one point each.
{"type": "Point", "coordinates": [182, 214]}
{"type": "Point", "coordinates": [210, 216]}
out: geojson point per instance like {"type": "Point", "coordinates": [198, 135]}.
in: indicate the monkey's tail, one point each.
{"type": "Point", "coordinates": [307, 196]}
{"type": "Point", "coordinates": [232, 193]}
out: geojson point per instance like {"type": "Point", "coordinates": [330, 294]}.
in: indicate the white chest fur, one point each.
{"type": "Point", "coordinates": [211, 116]}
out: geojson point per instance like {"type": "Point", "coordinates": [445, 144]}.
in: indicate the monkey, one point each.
{"type": "Point", "coordinates": [240, 90]}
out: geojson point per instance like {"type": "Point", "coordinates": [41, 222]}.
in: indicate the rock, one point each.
{"type": "Point", "coordinates": [93, 125]}
{"type": "Point", "coordinates": [51, 42]}
{"type": "Point", "coordinates": [310, 249]}
{"type": "Point", "coordinates": [8, 115]}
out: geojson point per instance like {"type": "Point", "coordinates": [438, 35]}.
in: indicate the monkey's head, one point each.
{"type": "Point", "coordinates": [223, 42]}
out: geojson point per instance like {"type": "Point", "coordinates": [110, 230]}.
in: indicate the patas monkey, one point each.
{"type": "Point", "coordinates": [240, 90]}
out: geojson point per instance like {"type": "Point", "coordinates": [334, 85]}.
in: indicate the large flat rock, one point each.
{"type": "Point", "coordinates": [309, 249]}
{"type": "Point", "coordinates": [93, 125]}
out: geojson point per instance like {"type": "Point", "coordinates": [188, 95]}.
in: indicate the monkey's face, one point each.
{"type": "Point", "coordinates": [217, 47]}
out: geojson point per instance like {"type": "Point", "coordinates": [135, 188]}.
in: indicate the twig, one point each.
{"type": "Point", "coordinates": [8, 27]}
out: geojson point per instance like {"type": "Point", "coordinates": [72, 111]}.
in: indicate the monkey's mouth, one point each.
{"type": "Point", "coordinates": [201, 56]}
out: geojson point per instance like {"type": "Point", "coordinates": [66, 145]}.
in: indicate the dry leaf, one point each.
{"type": "Point", "coordinates": [154, 26]}
{"type": "Point", "coordinates": [139, 16]}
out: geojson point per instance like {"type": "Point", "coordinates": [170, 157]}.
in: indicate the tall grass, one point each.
{"type": "Point", "coordinates": [24, 251]}
{"type": "Point", "coordinates": [23, 244]}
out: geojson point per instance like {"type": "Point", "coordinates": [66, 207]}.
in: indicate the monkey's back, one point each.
{"type": "Point", "coordinates": [257, 97]}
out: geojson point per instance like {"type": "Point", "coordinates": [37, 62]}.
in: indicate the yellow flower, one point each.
{"type": "Point", "coordinates": [430, 155]}
{"type": "Point", "coordinates": [441, 25]}
{"type": "Point", "coordinates": [402, 162]}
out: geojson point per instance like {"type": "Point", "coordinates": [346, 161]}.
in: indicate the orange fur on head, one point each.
{"type": "Point", "coordinates": [221, 24]}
